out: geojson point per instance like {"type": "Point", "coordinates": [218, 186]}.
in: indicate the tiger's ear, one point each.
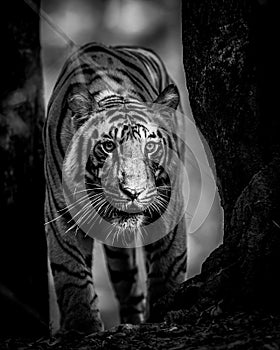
{"type": "Point", "coordinates": [169, 97]}
{"type": "Point", "coordinates": [80, 101]}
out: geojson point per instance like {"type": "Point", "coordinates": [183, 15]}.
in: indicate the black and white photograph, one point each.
{"type": "Point", "coordinates": [139, 177]}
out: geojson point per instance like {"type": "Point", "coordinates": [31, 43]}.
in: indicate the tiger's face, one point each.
{"type": "Point", "coordinates": [127, 163]}
{"type": "Point", "coordinates": [125, 177]}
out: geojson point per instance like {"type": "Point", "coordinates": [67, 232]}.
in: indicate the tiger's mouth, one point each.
{"type": "Point", "coordinates": [111, 213]}
{"type": "Point", "coordinates": [130, 213]}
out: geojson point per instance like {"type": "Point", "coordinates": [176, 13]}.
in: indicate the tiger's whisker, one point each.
{"type": "Point", "coordinates": [88, 206]}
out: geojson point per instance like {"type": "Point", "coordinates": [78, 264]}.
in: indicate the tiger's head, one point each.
{"type": "Point", "coordinates": [120, 157]}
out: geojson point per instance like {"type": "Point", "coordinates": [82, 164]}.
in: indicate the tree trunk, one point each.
{"type": "Point", "coordinates": [23, 258]}
{"type": "Point", "coordinates": [230, 63]}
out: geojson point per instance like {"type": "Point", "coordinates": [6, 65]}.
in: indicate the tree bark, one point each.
{"type": "Point", "coordinates": [23, 258]}
{"type": "Point", "coordinates": [230, 65]}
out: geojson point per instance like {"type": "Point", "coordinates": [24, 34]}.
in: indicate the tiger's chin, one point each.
{"type": "Point", "coordinates": [129, 220]}
{"type": "Point", "coordinates": [128, 228]}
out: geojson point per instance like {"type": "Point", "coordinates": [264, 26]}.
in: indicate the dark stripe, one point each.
{"type": "Point", "coordinates": [125, 275]}
{"type": "Point", "coordinates": [79, 259]}
{"type": "Point", "coordinates": [125, 62]}
{"type": "Point", "coordinates": [93, 299]}
{"type": "Point", "coordinates": [117, 253]}
{"type": "Point", "coordinates": [150, 61]}
{"type": "Point", "coordinates": [119, 117]}
{"type": "Point", "coordinates": [82, 68]}
{"type": "Point", "coordinates": [58, 135]}
{"type": "Point", "coordinates": [62, 268]}
{"type": "Point", "coordinates": [137, 117]}
{"type": "Point", "coordinates": [155, 67]}
{"type": "Point", "coordinates": [135, 299]}
{"type": "Point", "coordinates": [182, 268]}
{"type": "Point", "coordinates": [179, 269]}
{"type": "Point", "coordinates": [115, 78]}
{"type": "Point", "coordinates": [72, 285]}
{"type": "Point", "coordinates": [63, 291]}
{"type": "Point", "coordinates": [53, 201]}
{"type": "Point", "coordinates": [143, 114]}
{"type": "Point", "coordinates": [135, 49]}
{"type": "Point", "coordinates": [72, 72]}
{"type": "Point", "coordinates": [88, 261]}
{"type": "Point", "coordinates": [89, 73]}
{"type": "Point", "coordinates": [51, 147]}
{"type": "Point", "coordinates": [135, 80]}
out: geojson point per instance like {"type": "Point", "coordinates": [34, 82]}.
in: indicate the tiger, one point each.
{"type": "Point", "coordinates": [109, 92]}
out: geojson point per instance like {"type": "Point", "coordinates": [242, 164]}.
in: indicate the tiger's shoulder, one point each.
{"type": "Point", "coordinates": [121, 65]}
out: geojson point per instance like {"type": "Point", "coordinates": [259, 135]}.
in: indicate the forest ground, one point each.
{"type": "Point", "coordinates": [238, 330]}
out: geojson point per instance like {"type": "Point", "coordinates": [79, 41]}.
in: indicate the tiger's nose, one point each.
{"type": "Point", "coordinates": [132, 193]}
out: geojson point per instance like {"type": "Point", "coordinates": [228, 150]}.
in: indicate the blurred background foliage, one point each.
{"type": "Point", "coordinates": [155, 24]}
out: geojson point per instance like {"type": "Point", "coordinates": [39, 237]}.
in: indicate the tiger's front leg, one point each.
{"type": "Point", "coordinates": [71, 265]}
{"type": "Point", "coordinates": [166, 265]}
{"type": "Point", "coordinates": [124, 275]}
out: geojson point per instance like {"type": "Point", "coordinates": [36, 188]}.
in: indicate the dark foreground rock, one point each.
{"type": "Point", "coordinates": [239, 330]}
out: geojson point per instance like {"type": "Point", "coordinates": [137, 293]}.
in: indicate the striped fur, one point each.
{"type": "Point", "coordinates": [95, 89]}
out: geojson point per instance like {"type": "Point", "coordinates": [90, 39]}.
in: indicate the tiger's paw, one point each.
{"type": "Point", "coordinates": [131, 315]}
{"type": "Point", "coordinates": [133, 319]}
{"type": "Point", "coordinates": [81, 327]}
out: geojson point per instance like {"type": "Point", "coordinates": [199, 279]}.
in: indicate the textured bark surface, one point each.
{"type": "Point", "coordinates": [229, 78]}
{"type": "Point", "coordinates": [23, 272]}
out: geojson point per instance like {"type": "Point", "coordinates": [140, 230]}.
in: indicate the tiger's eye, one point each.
{"type": "Point", "coordinates": [151, 147]}
{"type": "Point", "coordinates": [108, 146]}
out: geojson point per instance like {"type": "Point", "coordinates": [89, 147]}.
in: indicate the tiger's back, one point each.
{"type": "Point", "coordinates": [100, 77]}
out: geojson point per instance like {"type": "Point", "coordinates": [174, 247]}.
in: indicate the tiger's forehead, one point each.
{"type": "Point", "coordinates": [127, 126]}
